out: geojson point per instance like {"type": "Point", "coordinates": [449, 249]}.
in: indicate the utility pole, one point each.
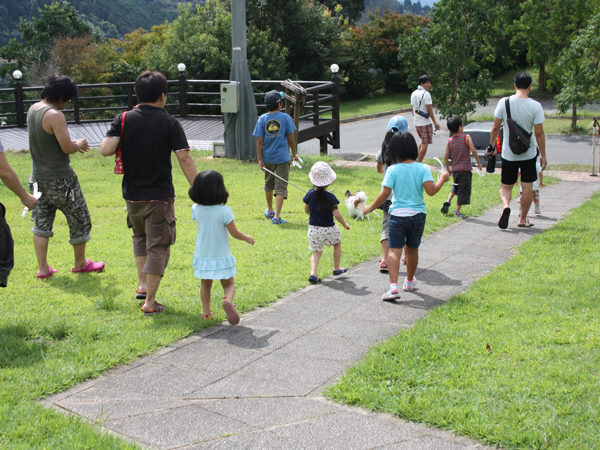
{"type": "Point", "coordinates": [239, 142]}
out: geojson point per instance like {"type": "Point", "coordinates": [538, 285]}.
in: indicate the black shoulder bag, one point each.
{"type": "Point", "coordinates": [518, 139]}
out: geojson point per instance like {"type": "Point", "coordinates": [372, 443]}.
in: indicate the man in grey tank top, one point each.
{"type": "Point", "coordinates": [50, 146]}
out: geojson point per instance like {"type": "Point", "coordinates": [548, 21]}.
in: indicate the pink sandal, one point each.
{"type": "Point", "coordinates": [383, 267]}
{"type": "Point", "coordinates": [90, 266]}
{"type": "Point", "coordinates": [43, 276]}
{"type": "Point", "coordinates": [207, 316]}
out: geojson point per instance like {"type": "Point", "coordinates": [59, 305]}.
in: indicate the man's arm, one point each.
{"type": "Point", "coordinates": [11, 180]}
{"type": "Point", "coordinates": [55, 122]}
{"type": "Point", "coordinates": [430, 111]}
{"type": "Point", "coordinates": [259, 146]}
{"type": "Point", "coordinates": [540, 137]}
{"type": "Point", "coordinates": [109, 145]}
{"type": "Point", "coordinates": [187, 164]}
{"type": "Point", "coordinates": [292, 144]}
{"type": "Point", "coordinates": [494, 133]}
{"type": "Point", "coordinates": [474, 151]}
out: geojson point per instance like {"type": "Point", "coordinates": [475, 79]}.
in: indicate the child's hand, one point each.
{"type": "Point", "coordinates": [249, 239]}
{"type": "Point", "coordinates": [346, 226]}
{"type": "Point", "coordinates": [367, 210]}
{"type": "Point", "coordinates": [445, 176]}
{"type": "Point", "coordinates": [479, 167]}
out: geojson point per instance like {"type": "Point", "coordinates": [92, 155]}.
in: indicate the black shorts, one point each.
{"type": "Point", "coordinates": [462, 187]}
{"type": "Point", "coordinates": [510, 171]}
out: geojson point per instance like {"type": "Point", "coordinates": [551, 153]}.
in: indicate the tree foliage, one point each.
{"type": "Point", "coordinates": [351, 9]}
{"type": "Point", "coordinates": [579, 66]}
{"type": "Point", "coordinates": [39, 35]}
{"type": "Point", "coordinates": [381, 34]}
{"type": "Point", "coordinates": [546, 27]}
{"type": "Point", "coordinates": [453, 50]}
{"type": "Point", "coordinates": [306, 28]}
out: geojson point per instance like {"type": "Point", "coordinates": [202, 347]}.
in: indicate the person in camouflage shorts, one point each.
{"type": "Point", "coordinates": [50, 146]}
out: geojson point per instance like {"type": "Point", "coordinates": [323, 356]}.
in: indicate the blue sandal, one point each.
{"type": "Point", "coordinates": [276, 221]}
{"type": "Point", "coordinates": [313, 279]}
{"type": "Point", "coordinates": [269, 215]}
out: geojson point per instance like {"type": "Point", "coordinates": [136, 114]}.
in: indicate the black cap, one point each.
{"type": "Point", "coordinates": [272, 98]}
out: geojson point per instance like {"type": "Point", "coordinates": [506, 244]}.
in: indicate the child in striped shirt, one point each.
{"type": "Point", "coordinates": [458, 154]}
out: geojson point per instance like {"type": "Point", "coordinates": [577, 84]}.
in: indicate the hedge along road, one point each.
{"type": "Point", "coordinates": [365, 136]}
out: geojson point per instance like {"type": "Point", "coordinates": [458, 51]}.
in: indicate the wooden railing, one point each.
{"type": "Point", "coordinates": [192, 99]}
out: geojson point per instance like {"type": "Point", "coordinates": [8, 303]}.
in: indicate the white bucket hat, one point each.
{"type": "Point", "coordinates": [321, 174]}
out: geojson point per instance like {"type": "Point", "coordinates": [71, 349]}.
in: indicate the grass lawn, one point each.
{"type": "Point", "coordinates": [552, 125]}
{"type": "Point", "coordinates": [58, 332]}
{"type": "Point", "coordinates": [512, 362]}
{"type": "Point", "coordinates": [374, 104]}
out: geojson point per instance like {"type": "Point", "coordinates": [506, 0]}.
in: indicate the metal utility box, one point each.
{"type": "Point", "coordinates": [229, 97]}
{"type": "Point", "coordinates": [219, 149]}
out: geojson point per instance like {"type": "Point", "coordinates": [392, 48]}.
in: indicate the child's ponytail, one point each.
{"type": "Point", "coordinates": [323, 201]}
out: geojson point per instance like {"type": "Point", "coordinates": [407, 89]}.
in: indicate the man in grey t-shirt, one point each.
{"type": "Point", "coordinates": [529, 115]}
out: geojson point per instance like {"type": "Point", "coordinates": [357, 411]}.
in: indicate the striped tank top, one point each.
{"type": "Point", "coordinates": [460, 154]}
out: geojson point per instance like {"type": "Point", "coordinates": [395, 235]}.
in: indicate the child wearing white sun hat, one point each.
{"type": "Point", "coordinates": [321, 206]}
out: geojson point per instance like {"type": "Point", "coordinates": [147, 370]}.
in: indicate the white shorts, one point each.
{"type": "Point", "coordinates": [320, 236]}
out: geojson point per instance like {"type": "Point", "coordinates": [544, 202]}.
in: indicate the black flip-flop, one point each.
{"type": "Point", "coordinates": [503, 222]}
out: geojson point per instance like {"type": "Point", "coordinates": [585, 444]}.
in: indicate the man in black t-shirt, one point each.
{"type": "Point", "coordinates": [147, 136]}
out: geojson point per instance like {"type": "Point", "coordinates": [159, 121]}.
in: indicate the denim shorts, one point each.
{"type": "Point", "coordinates": [406, 231]}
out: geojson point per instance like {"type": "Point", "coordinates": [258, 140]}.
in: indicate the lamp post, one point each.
{"type": "Point", "coordinates": [182, 90]}
{"type": "Point", "coordinates": [335, 113]}
{"type": "Point", "coordinates": [19, 109]}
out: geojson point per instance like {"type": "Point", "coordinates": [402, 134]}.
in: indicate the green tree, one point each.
{"type": "Point", "coordinates": [354, 56]}
{"type": "Point", "coordinates": [381, 34]}
{"type": "Point", "coordinates": [453, 50]}
{"type": "Point", "coordinates": [56, 21]}
{"type": "Point", "coordinates": [352, 9]}
{"type": "Point", "coordinates": [579, 66]}
{"type": "Point", "coordinates": [201, 38]}
{"type": "Point", "coordinates": [546, 27]}
{"type": "Point", "coordinates": [306, 28]}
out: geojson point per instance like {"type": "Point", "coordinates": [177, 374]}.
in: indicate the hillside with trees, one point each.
{"type": "Point", "coordinates": [113, 18]}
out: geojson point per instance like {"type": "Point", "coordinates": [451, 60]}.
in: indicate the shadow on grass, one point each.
{"type": "Point", "coordinates": [16, 350]}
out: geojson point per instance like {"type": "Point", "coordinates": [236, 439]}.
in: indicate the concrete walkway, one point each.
{"type": "Point", "coordinates": [259, 384]}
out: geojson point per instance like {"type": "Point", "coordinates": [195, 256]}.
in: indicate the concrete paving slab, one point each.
{"type": "Point", "coordinates": [270, 412]}
{"type": "Point", "coordinates": [238, 386]}
{"type": "Point", "coordinates": [176, 427]}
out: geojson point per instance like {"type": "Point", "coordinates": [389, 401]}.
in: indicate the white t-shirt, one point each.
{"type": "Point", "coordinates": [527, 113]}
{"type": "Point", "coordinates": [419, 100]}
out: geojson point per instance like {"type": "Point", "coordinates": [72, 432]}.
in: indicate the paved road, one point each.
{"type": "Point", "coordinates": [365, 136]}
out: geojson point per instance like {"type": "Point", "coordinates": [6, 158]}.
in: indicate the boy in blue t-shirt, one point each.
{"type": "Point", "coordinates": [274, 132]}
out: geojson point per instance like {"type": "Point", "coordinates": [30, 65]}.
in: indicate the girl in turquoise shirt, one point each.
{"type": "Point", "coordinates": [407, 179]}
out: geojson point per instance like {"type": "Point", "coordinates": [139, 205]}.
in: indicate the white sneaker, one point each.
{"type": "Point", "coordinates": [409, 285]}
{"type": "Point", "coordinates": [538, 210]}
{"type": "Point", "coordinates": [391, 295]}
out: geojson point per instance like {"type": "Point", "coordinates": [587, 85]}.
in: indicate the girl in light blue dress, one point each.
{"type": "Point", "coordinates": [212, 258]}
